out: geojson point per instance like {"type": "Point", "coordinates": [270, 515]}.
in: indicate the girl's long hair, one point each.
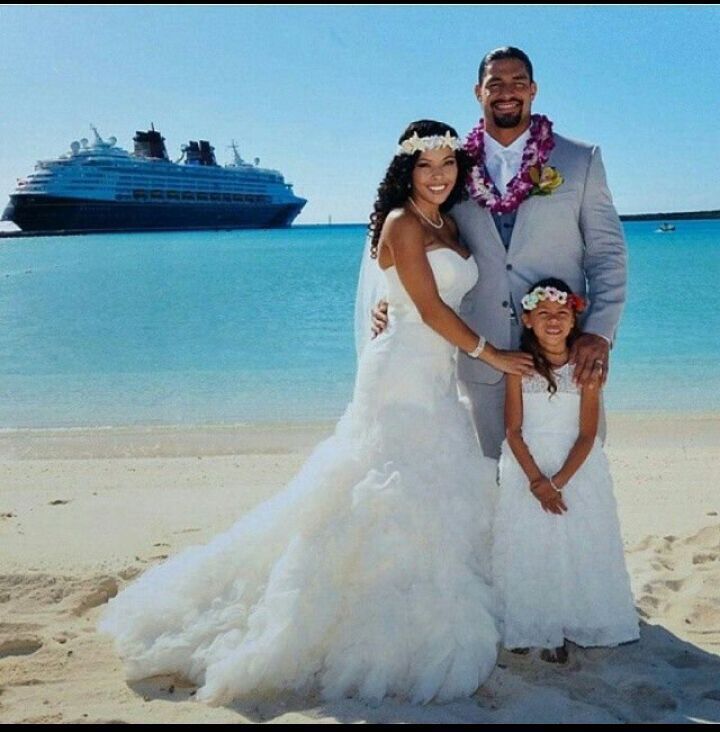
{"type": "Point", "coordinates": [530, 344]}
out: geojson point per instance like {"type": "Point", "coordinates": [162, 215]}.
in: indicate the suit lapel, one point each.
{"type": "Point", "coordinates": [525, 211]}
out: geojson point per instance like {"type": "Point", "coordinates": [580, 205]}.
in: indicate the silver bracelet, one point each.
{"type": "Point", "coordinates": [552, 483]}
{"type": "Point", "coordinates": [478, 349]}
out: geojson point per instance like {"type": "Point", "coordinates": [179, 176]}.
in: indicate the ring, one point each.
{"type": "Point", "coordinates": [600, 363]}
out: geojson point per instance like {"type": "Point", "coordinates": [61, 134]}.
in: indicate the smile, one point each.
{"type": "Point", "coordinates": [506, 106]}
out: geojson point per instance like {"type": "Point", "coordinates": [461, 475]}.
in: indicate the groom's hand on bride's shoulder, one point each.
{"type": "Point", "coordinates": [379, 318]}
{"type": "Point", "coordinates": [591, 355]}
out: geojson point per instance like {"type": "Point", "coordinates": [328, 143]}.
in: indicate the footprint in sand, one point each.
{"type": "Point", "coordinates": [106, 588]}
{"type": "Point", "coordinates": [20, 646]}
{"type": "Point", "coordinates": [64, 637]}
{"type": "Point", "coordinates": [660, 545]}
{"type": "Point", "coordinates": [129, 573]}
{"type": "Point", "coordinates": [706, 615]}
{"type": "Point", "coordinates": [674, 585]}
{"type": "Point", "coordinates": [649, 599]}
{"type": "Point", "coordinates": [659, 564]}
{"type": "Point", "coordinates": [704, 558]}
{"type": "Point", "coordinates": [707, 538]}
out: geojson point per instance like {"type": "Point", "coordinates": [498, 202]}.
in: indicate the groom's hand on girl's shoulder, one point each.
{"type": "Point", "coordinates": [591, 355]}
{"type": "Point", "coordinates": [379, 318]}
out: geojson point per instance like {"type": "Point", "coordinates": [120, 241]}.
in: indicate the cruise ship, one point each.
{"type": "Point", "coordinates": [98, 186]}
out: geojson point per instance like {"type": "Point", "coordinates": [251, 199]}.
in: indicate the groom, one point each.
{"type": "Point", "coordinates": [523, 225]}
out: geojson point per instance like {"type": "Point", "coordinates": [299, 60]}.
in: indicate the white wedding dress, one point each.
{"type": "Point", "coordinates": [368, 574]}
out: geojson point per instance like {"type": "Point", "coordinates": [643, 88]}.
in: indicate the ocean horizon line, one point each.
{"type": "Point", "coordinates": [707, 215]}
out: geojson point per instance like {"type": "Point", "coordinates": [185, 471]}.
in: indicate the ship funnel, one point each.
{"type": "Point", "coordinates": [199, 153]}
{"type": "Point", "coordinates": [150, 144]}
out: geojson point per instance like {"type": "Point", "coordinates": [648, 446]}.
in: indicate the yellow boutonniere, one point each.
{"type": "Point", "coordinates": [545, 180]}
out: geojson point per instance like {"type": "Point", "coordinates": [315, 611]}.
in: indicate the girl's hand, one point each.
{"type": "Point", "coordinates": [550, 499]}
{"type": "Point", "coordinates": [509, 362]}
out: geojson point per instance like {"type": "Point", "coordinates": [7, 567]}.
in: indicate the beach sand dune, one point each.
{"type": "Point", "coordinates": [83, 512]}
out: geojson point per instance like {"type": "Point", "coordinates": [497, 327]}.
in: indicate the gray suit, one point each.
{"type": "Point", "coordinates": [574, 234]}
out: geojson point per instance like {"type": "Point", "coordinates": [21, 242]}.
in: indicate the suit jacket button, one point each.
{"type": "Point", "coordinates": [505, 303]}
{"type": "Point", "coordinates": [508, 267]}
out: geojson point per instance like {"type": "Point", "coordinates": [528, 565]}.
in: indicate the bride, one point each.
{"type": "Point", "coordinates": [368, 574]}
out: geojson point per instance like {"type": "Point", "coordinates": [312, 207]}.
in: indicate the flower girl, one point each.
{"type": "Point", "coordinates": [558, 556]}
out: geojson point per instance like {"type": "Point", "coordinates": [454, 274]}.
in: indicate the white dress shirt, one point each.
{"type": "Point", "coordinates": [503, 163]}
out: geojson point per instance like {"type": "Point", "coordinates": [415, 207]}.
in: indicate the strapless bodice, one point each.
{"type": "Point", "coordinates": [454, 276]}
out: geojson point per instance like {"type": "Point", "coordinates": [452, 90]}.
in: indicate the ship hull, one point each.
{"type": "Point", "coordinates": [47, 213]}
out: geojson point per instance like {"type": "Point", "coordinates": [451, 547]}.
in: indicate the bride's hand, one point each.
{"type": "Point", "coordinates": [509, 362]}
{"type": "Point", "coordinates": [379, 318]}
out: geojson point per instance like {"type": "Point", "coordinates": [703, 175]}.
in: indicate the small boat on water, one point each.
{"type": "Point", "coordinates": [665, 227]}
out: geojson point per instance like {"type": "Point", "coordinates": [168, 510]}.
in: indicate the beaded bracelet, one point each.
{"type": "Point", "coordinates": [478, 349]}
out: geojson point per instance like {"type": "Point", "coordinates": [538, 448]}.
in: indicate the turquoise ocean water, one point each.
{"type": "Point", "coordinates": [256, 326]}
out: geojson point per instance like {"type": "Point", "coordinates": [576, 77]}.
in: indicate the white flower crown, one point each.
{"type": "Point", "coordinates": [432, 142]}
{"type": "Point", "coordinates": [540, 294]}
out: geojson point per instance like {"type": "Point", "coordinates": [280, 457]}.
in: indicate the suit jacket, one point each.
{"type": "Point", "coordinates": [574, 234]}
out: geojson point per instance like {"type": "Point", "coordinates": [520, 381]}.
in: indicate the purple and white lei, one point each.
{"type": "Point", "coordinates": [534, 177]}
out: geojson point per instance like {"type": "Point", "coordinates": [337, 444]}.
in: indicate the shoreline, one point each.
{"type": "Point", "coordinates": [242, 438]}
{"type": "Point", "coordinates": [160, 440]}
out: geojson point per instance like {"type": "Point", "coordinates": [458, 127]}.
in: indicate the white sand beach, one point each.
{"type": "Point", "coordinates": [84, 511]}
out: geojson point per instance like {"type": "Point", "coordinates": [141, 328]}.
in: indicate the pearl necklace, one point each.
{"type": "Point", "coordinates": [430, 221]}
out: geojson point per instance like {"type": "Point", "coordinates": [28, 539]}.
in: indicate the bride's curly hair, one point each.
{"type": "Point", "coordinates": [395, 188]}
{"type": "Point", "coordinates": [530, 344]}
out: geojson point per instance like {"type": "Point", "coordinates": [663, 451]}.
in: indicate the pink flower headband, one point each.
{"type": "Point", "coordinates": [552, 294]}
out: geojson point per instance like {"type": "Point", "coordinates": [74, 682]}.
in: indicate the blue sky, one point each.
{"type": "Point", "coordinates": [322, 93]}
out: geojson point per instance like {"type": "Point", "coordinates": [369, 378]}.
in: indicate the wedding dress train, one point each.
{"type": "Point", "coordinates": [368, 574]}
